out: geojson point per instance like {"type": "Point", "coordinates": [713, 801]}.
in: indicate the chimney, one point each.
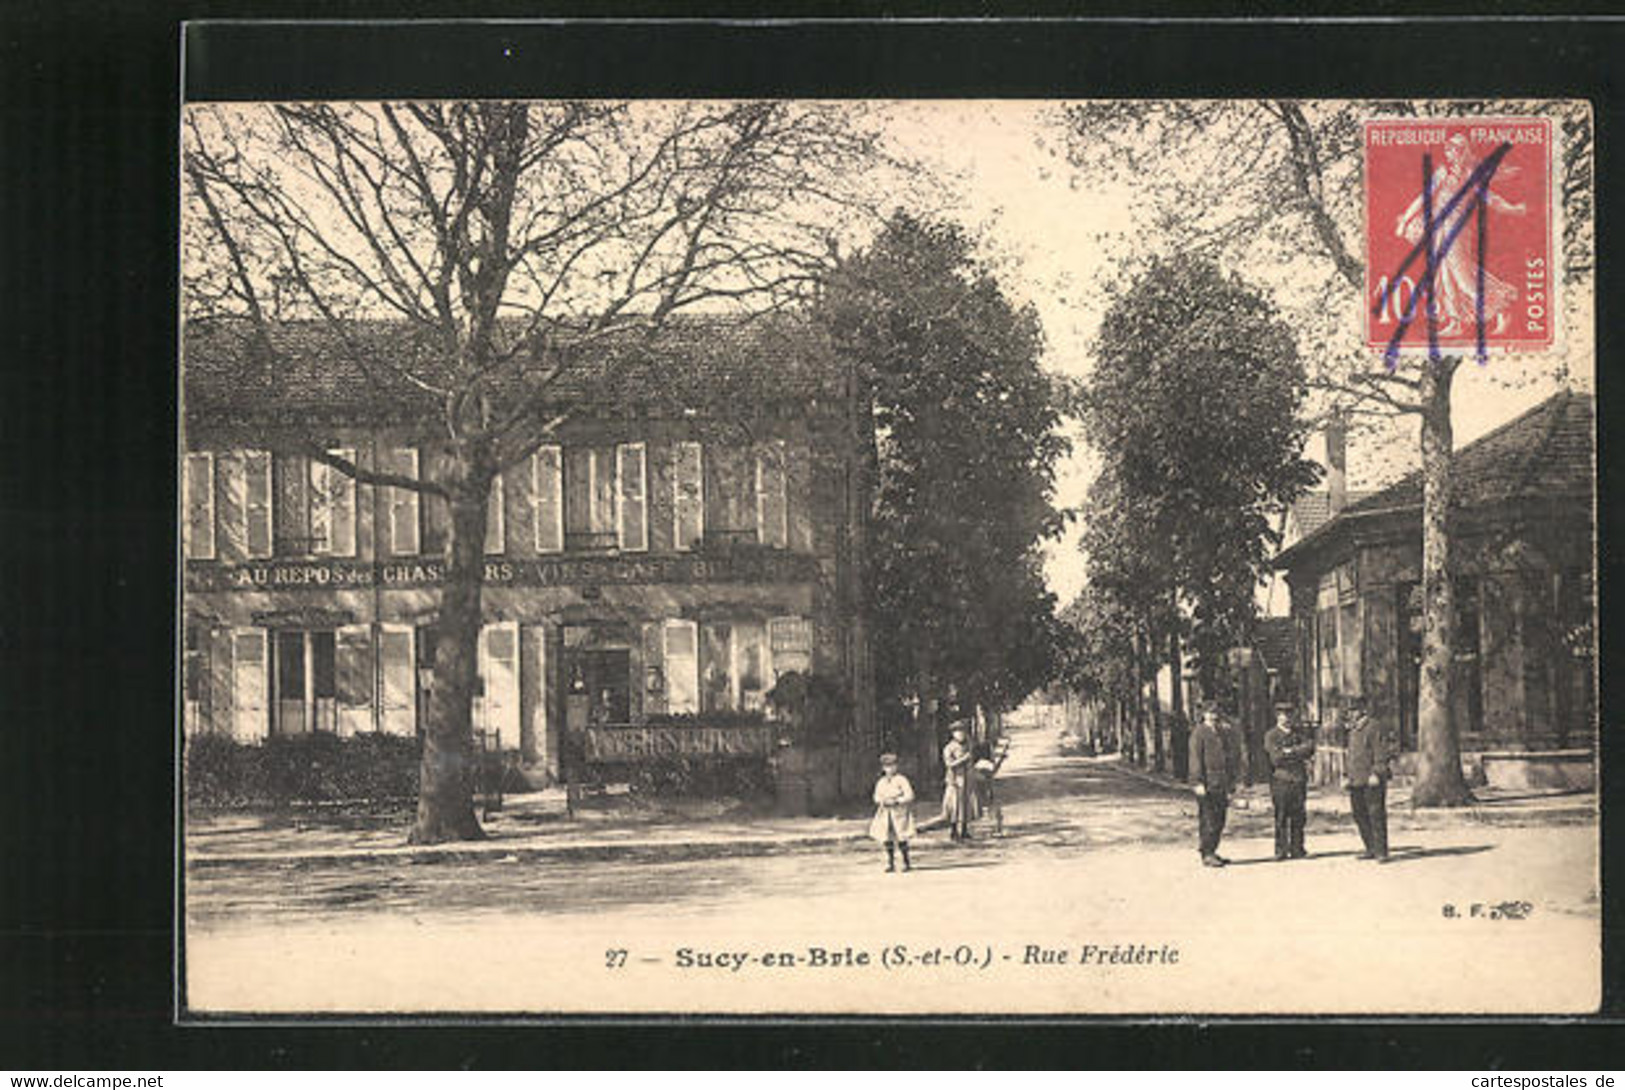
{"type": "Point", "coordinates": [1336, 464]}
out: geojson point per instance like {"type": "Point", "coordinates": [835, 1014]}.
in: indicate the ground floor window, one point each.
{"type": "Point", "coordinates": [304, 669]}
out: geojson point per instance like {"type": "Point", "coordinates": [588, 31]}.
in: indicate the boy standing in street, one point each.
{"type": "Point", "coordinates": [894, 811]}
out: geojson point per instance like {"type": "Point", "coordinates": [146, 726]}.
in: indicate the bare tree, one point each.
{"type": "Point", "coordinates": [1276, 184]}
{"type": "Point", "coordinates": [506, 242]}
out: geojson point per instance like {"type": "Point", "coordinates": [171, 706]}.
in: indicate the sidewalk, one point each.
{"type": "Point", "coordinates": [530, 829]}
{"type": "Point", "coordinates": [1492, 806]}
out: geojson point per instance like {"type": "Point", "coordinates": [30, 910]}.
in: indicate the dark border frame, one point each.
{"type": "Point", "coordinates": [89, 130]}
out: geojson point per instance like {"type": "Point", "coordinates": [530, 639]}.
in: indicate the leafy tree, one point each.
{"type": "Point", "coordinates": [508, 242]}
{"type": "Point", "coordinates": [966, 433]}
{"type": "Point", "coordinates": [1275, 186]}
{"type": "Point", "coordinates": [1193, 402]}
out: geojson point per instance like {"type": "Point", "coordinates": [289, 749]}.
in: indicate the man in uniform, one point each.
{"type": "Point", "coordinates": [1289, 752]}
{"type": "Point", "coordinates": [1213, 772]}
{"type": "Point", "coordinates": [1366, 776]}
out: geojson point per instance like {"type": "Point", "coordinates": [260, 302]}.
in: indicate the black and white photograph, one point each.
{"type": "Point", "coordinates": [795, 556]}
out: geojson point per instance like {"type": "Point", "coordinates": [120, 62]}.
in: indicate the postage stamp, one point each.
{"type": "Point", "coordinates": [1459, 227]}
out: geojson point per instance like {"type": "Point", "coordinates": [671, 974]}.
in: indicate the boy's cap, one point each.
{"type": "Point", "coordinates": [888, 758]}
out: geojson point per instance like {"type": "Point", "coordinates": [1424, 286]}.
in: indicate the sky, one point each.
{"type": "Point", "coordinates": [1048, 233]}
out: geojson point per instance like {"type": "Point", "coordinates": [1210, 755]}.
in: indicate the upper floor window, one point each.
{"type": "Point", "coordinates": [589, 498]}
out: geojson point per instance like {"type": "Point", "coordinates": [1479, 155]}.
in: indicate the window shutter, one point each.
{"type": "Point", "coordinates": [688, 498]}
{"type": "Point", "coordinates": [682, 668]}
{"type": "Point", "coordinates": [397, 689]}
{"type": "Point", "coordinates": [631, 469]}
{"type": "Point", "coordinates": [403, 505]}
{"type": "Point", "coordinates": [499, 677]}
{"type": "Point", "coordinates": [257, 503]}
{"type": "Point", "coordinates": [495, 530]}
{"type": "Point", "coordinates": [547, 496]}
{"type": "Point", "coordinates": [232, 517]}
{"type": "Point", "coordinates": [655, 682]}
{"type": "Point", "coordinates": [772, 508]}
{"type": "Point", "coordinates": [200, 506]}
{"type": "Point", "coordinates": [250, 716]}
{"type": "Point", "coordinates": [353, 656]}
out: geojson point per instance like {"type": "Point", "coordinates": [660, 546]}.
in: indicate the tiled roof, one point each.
{"type": "Point", "coordinates": [1547, 452]}
{"type": "Point", "coordinates": [695, 362]}
{"type": "Point", "coordinates": [1273, 639]}
{"type": "Point", "coordinates": [1312, 509]}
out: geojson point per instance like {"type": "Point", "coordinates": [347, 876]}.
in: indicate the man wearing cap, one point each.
{"type": "Point", "coordinates": [1289, 752]}
{"type": "Point", "coordinates": [1366, 773]}
{"type": "Point", "coordinates": [1213, 771]}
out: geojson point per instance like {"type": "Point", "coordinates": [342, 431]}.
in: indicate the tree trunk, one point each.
{"type": "Point", "coordinates": [1137, 730]}
{"type": "Point", "coordinates": [1180, 735]}
{"type": "Point", "coordinates": [445, 794]}
{"type": "Point", "coordinates": [1159, 758]}
{"type": "Point", "coordinates": [1439, 780]}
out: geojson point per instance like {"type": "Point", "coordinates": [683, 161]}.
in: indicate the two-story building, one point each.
{"type": "Point", "coordinates": [691, 531]}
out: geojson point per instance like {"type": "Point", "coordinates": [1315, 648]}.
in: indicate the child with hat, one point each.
{"type": "Point", "coordinates": [894, 811]}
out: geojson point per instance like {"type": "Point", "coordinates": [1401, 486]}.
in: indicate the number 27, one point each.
{"type": "Point", "coordinates": [614, 959]}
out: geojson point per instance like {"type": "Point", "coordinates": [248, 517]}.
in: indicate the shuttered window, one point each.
{"type": "Point", "coordinates": [332, 507]}
{"type": "Point", "coordinates": [590, 499]}
{"type": "Point", "coordinates": [688, 495]}
{"type": "Point", "coordinates": [257, 502]}
{"type": "Point", "coordinates": [200, 506]}
{"type": "Point", "coordinates": [547, 498]}
{"type": "Point", "coordinates": [682, 668]}
{"type": "Point", "coordinates": [403, 505]}
{"type": "Point", "coordinates": [631, 471]}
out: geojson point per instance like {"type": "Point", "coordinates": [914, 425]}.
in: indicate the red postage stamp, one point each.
{"type": "Point", "coordinates": [1459, 254]}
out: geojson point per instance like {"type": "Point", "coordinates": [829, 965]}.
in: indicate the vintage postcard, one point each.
{"type": "Point", "coordinates": [1063, 558]}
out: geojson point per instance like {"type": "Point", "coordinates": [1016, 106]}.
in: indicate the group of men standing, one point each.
{"type": "Point", "coordinates": [1214, 761]}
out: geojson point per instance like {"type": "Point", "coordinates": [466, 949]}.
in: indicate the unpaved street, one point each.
{"type": "Point", "coordinates": [1096, 866]}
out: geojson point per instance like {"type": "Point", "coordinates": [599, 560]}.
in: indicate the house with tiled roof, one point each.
{"type": "Point", "coordinates": [689, 534]}
{"type": "Point", "coordinates": [1523, 556]}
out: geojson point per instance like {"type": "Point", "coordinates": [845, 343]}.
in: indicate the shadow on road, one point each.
{"type": "Point", "coordinates": [1406, 854]}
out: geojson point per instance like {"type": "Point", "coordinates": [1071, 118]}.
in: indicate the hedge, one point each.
{"type": "Point", "coordinates": [315, 767]}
